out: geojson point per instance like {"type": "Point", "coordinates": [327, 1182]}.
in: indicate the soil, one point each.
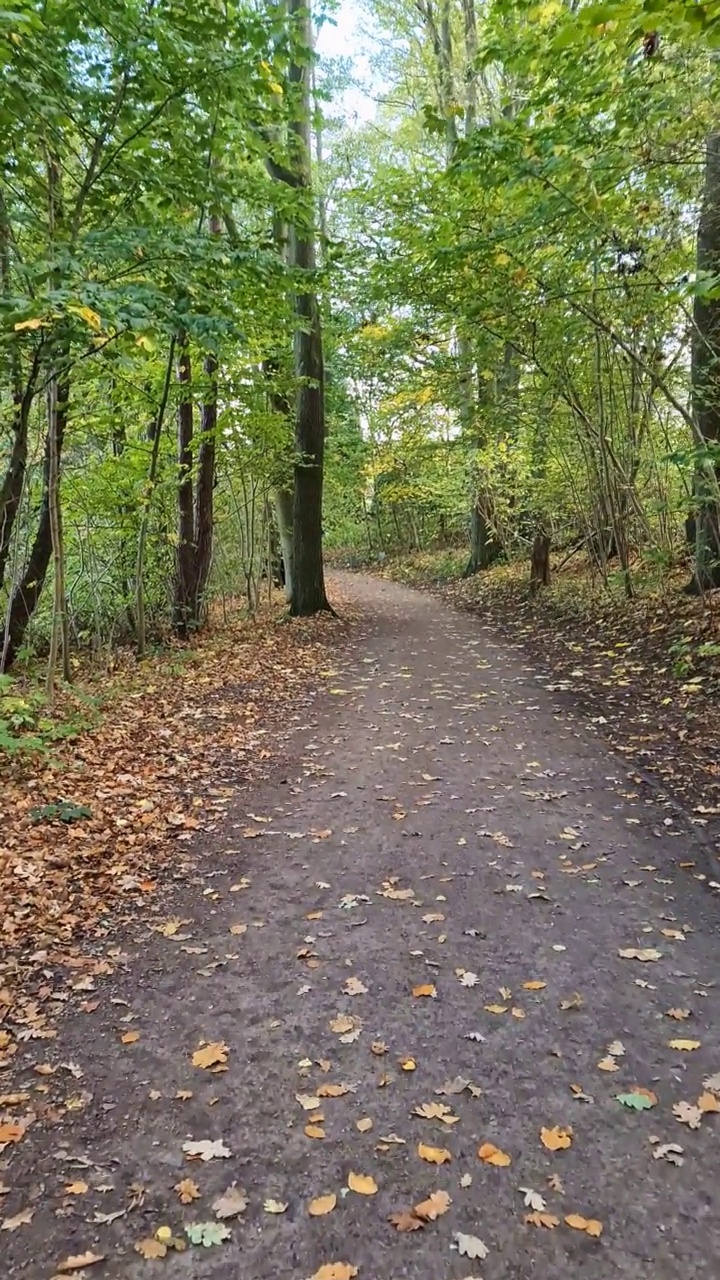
{"type": "Point", "coordinates": [441, 814]}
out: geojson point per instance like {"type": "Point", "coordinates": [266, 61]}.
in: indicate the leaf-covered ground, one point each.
{"type": "Point", "coordinates": [437, 1000]}
{"type": "Point", "coordinates": [646, 671]}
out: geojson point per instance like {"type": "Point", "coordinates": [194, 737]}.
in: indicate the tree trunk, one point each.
{"type": "Point", "coordinates": [59, 636]}
{"type": "Point", "coordinates": [26, 594]}
{"type": "Point", "coordinates": [283, 501]}
{"type": "Point", "coordinates": [185, 556]}
{"type": "Point", "coordinates": [540, 562]}
{"type": "Point", "coordinates": [484, 546]}
{"type": "Point", "coordinates": [14, 480]}
{"type": "Point", "coordinates": [205, 489]}
{"type": "Point", "coordinates": [706, 379]}
{"type": "Point", "coordinates": [308, 585]}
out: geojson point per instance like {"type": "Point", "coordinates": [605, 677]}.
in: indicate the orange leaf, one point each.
{"type": "Point", "coordinates": [708, 1102]}
{"type": "Point", "coordinates": [590, 1226]}
{"type": "Point", "coordinates": [322, 1205]}
{"type": "Point", "coordinates": [534, 986]}
{"type": "Point", "coordinates": [362, 1183]}
{"type": "Point", "coordinates": [434, 1207]}
{"type": "Point", "coordinates": [314, 1131]}
{"type": "Point", "coordinates": [496, 1008]}
{"type": "Point", "coordinates": [433, 1155]}
{"type": "Point", "coordinates": [493, 1155]}
{"type": "Point", "coordinates": [210, 1055]}
{"type": "Point", "coordinates": [130, 1037]}
{"type": "Point", "coordinates": [542, 1220]}
{"type": "Point", "coordinates": [556, 1139]}
{"type": "Point", "coordinates": [11, 1132]}
{"type": "Point", "coordinates": [425, 989]}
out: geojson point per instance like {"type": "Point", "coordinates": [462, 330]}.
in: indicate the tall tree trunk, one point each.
{"type": "Point", "coordinates": [26, 594]}
{"type": "Point", "coordinates": [308, 587]}
{"type": "Point", "coordinates": [59, 633]}
{"type": "Point", "coordinates": [185, 555]}
{"type": "Point", "coordinates": [706, 378]}
{"type": "Point", "coordinates": [205, 488]}
{"type": "Point", "coordinates": [155, 434]}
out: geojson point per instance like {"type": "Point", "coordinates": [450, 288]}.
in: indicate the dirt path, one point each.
{"type": "Point", "coordinates": [444, 769]}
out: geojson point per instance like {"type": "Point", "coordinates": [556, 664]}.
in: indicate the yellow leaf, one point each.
{"type": "Point", "coordinates": [35, 323]}
{"type": "Point", "coordinates": [314, 1131]}
{"type": "Point", "coordinates": [76, 1188]}
{"type": "Point", "coordinates": [87, 314]}
{"type": "Point", "coordinates": [151, 1248]}
{"type": "Point", "coordinates": [79, 1260]}
{"type": "Point", "coordinates": [686, 1046]}
{"type": "Point", "coordinates": [332, 1090]}
{"type": "Point", "coordinates": [433, 1155]}
{"type": "Point", "coordinates": [364, 1125]}
{"type": "Point", "coordinates": [493, 1155]}
{"type": "Point", "coordinates": [425, 989]}
{"type": "Point", "coordinates": [502, 259]}
{"type": "Point", "coordinates": [608, 1064]}
{"type": "Point", "coordinates": [408, 1064]}
{"type": "Point", "coordinates": [534, 986]}
{"type": "Point", "coordinates": [362, 1183]}
{"type": "Point", "coordinates": [322, 1205]}
{"type": "Point", "coordinates": [210, 1055]}
{"type": "Point", "coordinates": [517, 1013]}
{"type": "Point", "coordinates": [556, 1139]}
{"type": "Point", "coordinates": [238, 929]}
{"type": "Point", "coordinates": [590, 1226]}
{"type": "Point", "coordinates": [542, 1220]}
{"type": "Point", "coordinates": [130, 1037]}
{"type": "Point", "coordinates": [496, 1008]}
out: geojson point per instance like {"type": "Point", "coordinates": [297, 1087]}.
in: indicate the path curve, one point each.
{"type": "Point", "coordinates": [438, 764]}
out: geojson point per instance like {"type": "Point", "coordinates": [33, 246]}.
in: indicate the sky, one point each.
{"type": "Point", "coordinates": [344, 39]}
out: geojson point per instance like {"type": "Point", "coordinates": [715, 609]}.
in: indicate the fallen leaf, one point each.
{"type": "Point", "coordinates": [187, 1191]}
{"type": "Point", "coordinates": [669, 1151]}
{"type": "Point", "coordinates": [231, 1203]}
{"type": "Point", "coordinates": [556, 1139]}
{"type": "Point", "coordinates": [686, 1046]}
{"type": "Point", "coordinates": [207, 1233]}
{"type": "Point", "coordinates": [378, 1047]}
{"type": "Point", "coordinates": [151, 1248]}
{"type": "Point", "coordinates": [362, 1183]}
{"type": "Point", "coordinates": [274, 1206]}
{"type": "Point", "coordinates": [210, 1055]}
{"type": "Point", "coordinates": [590, 1226]}
{"type": "Point", "coordinates": [308, 1101]}
{"type": "Point", "coordinates": [406, 1221]}
{"type": "Point", "coordinates": [575, 1001]}
{"type": "Point", "coordinates": [76, 1188]}
{"type": "Point", "coordinates": [354, 987]}
{"type": "Point", "coordinates": [77, 1261]}
{"type": "Point", "coordinates": [469, 979]}
{"type": "Point", "coordinates": [539, 1219]}
{"type": "Point", "coordinates": [534, 986]}
{"type": "Point", "coordinates": [408, 1064]}
{"type": "Point", "coordinates": [496, 1008]}
{"type": "Point", "coordinates": [314, 1131]}
{"type": "Point", "coordinates": [333, 1090]}
{"type": "Point", "coordinates": [616, 1049]}
{"type": "Point", "coordinates": [321, 1205]}
{"type": "Point", "coordinates": [433, 1155]}
{"type": "Point", "coordinates": [707, 1102]}
{"type": "Point", "coordinates": [644, 954]}
{"type": "Point", "coordinates": [466, 1180]}
{"type": "Point", "coordinates": [679, 1014]}
{"type": "Point", "coordinates": [342, 1023]}
{"type": "Point", "coordinates": [335, 1271]}
{"type": "Point", "coordinates": [533, 1199]}
{"type": "Point", "coordinates": [712, 1083]}
{"type": "Point", "coordinates": [130, 1037]}
{"type": "Point", "coordinates": [434, 1207]}
{"type": "Point", "coordinates": [364, 1125]}
{"type": "Point", "coordinates": [637, 1099]}
{"type": "Point", "coordinates": [425, 989]}
{"type": "Point", "coordinates": [555, 1183]}
{"type": "Point", "coordinates": [469, 1246]}
{"type": "Point", "coordinates": [11, 1132]}
{"type": "Point", "coordinates": [608, 1064]}
{"type": "Point", "coordinates": [493, 1155]}
{"type": "Point", "coordinates": [206, 1149]}
{"type": "Point", "coordinates": [238, 929]}
{"type": "Point", "coordinates": [436, 1111]}
{"type": "Point", "coordinates": [687, 1114]}
{"type": "Point", "coordinates": [20, 1219]}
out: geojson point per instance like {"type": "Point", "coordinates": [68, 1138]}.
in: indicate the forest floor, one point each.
{"type": "Point", "coordinates": [646, 672]}
{"type": "Point", "coordinates": [436, 997]}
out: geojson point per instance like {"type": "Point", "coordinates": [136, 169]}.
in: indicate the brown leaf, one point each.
{"type": "Point", "coordinates": [437, 1203]}
{"type": "Point", "coordinates": [151, 1248]}
{"type": "Point", "coordinates": [436, 1111]}
{"type": "Point", "coordinates": [608, 1064]}
{"type": "Point", "coordinates": [406, 1221]}
{"type": "Point", "coordinates": [555, 1183]}
{"type": "Point", "coordinates": [679, 1014]}
{"type": "Point", "coordinates": [210, 1055]}
{"type": "Point", "coordinates": [538, 1219]}
{"type": "Point", "coordinates": [76, 1188]}
{"type": "Point", "coordinates": [425, 989]}
{"type": "Point", "coordinates": [687, 1114]}
{"type": "Point", "coordinates": [20, 1219]}
{"type": "Point", "coordinates": [314, 1131]}
{"type": "Point", "coordinates": [186, 1191]}
{"type": "Point", "coordinates": [77, 1261]}
{"type": "Point", "coordinates": [130, 1037]}
{"type": "Point", "coordinates": [534, 986]}
{"type": "Point", "coordinates": [378, 1047]}
{"type": "Point", "coordinates": [707, 1102]}
{"type": "Point", "coordinates": [333, 1090]}
{"type": "Point", "coordinates": [11, 1132]}
{"type": "Point", "coordinates": [321, 1205]}
{"type": "Point", "coordinates": [362, 1183]}
{"type": "Point", "coordinates": [433, 1155]}
{"type": "Point", "coordinates": [231, 1203]}
{"type": "Point", "coordinates": [557, 1138]}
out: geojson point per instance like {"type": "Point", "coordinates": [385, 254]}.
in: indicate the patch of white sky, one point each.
{"type": "Point", "coordinates": [345, 34]}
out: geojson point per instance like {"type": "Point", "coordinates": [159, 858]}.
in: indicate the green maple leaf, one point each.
{"type": "Point", "coordinates": [207, 1233]}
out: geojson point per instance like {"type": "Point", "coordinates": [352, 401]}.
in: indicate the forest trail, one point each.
{"type": "Point", "coordinates": [443, 818]}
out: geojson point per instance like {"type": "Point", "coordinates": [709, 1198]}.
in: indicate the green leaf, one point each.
{"type": "Point", "coordinates": [636, 1101]}
{"type": "Point", "coordinates": [207, 1233]}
